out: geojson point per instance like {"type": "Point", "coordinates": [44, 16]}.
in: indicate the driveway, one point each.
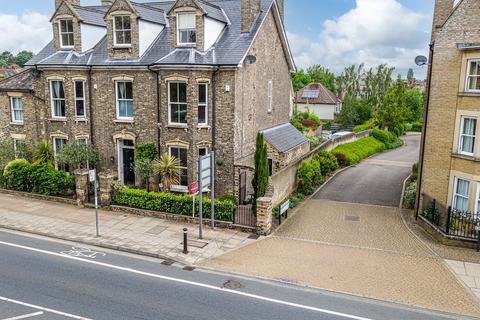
{"type": "Point", "coordinates": [350, 238]}
{"type": "Point", "coordinates": [377, 180]}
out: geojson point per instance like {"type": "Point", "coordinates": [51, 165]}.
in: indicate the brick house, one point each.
{"type": "Point", "coordinates": [188, 75]}
{"type": "Point", "coordinates": [320, 101]}
{"type": "Point", "coordinates": [450, 151]}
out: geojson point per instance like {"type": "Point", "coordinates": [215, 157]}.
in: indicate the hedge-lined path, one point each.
{"type": "Point", "coordinates": [362, 247]}
{"type": "Point", "coordinates": [135, 234]}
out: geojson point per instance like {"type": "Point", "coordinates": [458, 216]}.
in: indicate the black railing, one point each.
{"type": "Point", "coordinates": [452, 222]}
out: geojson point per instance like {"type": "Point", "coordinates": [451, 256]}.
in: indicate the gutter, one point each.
{"type": "Point", "coordinates": [159, 106]}
{"type": "Point", "coordinates": [424, 131]}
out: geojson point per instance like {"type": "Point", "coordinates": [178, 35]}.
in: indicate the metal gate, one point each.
{"type": "Point", "coordinates": [244, 216]}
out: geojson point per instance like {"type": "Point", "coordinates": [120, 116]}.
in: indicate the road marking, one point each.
{"type": "Point", "coordinates": [60, 313]}
{"type": "Point", "coordinates": [83, 252]}
{"type": "Point", "coordinates": [191, 283]}
{"type": "Point", "coordinates": [25, 316]}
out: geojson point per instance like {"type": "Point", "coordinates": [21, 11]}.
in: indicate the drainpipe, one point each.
{"type": "Point", "coordinates": [90, 108]}
{"type": "Point", "coordinates": [424, 131]}
{"type": "Point", "coordinates": [214, 108]}
{"type": "Point", "coordinates": [159, 105]}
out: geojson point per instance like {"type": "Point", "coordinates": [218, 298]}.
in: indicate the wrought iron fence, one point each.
{"type": "Point", "coordinates": [452, 222]}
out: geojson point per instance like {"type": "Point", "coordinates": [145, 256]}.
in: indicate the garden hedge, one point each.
{"type": "Point", "coordinates": [390, 140]}
{"type": "Point", "coordinates": [358, 150]}
{"type": "Point", "coordinates": [172, 203]}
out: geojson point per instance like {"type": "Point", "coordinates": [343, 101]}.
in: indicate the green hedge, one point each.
{"type": "Point", "coordinates": [390, 140]}
{"type": "Point", "coordinates": [20, 175]}
{"type": "Point", "coordinates": [172, 203]}
{"type": "Point", "coordinates": [370, 124]}
{"type": "Point", "coordinates": [417, 127]}
{"type": "Point", "coordinates": [328, 162]}
{"type": "Point", "coordinates": [358, 150]}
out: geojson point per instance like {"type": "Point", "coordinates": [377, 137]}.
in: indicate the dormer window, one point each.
{"type": "Point", "coordinates": [187, 32]}
{"type": "Point", "coordinates": [66, 33]}
{"type": "Point", "coordinates": [122, 31]}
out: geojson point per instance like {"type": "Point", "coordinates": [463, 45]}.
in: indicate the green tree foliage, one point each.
{"type": "Point", "coordinates": [415, 101]}
{"type": "Point", "coordinates": [7, 152]}
{"type": "Point", "coordinates": [393, 111]}
{"type": "Point", "coordinates": [23, 57]}
{"type": "Point", "coordinates": [144, 170]}
{"type": "Point", "coordinates": [77, 155]}
{"type": "Point", "coordinates": [145, 151]}
{"type": "Point", "coordinates": [167, 168]}
{"type": "Point", "coordinates": [315, 74]}
{"type": "Point", "coordinates": [262, 172]}
{"type": "Point", "coordinates": [410, 74]}
{"type": "Point", "coordinates": [355, 111]}
{"type": "Point", "coordinates": [43, 153]}
{"type": "Point", "coordinates": [7, 56]}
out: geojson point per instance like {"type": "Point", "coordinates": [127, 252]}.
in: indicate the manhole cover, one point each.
{"type": "Point", "coordinates": [232, 285]}
{"type": "Point", "coordinates": [188, 268]}
{"type": "Point", "coordinates": [352, 218]}
{"type": "Point", "coordinates": [167, 262]}
{"type": "Point", "coordinates": [253, 237]}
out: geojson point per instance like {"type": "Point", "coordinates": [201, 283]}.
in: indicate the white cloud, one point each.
{"type": "Point", "coordinates": [374, 32]}
{"type": "Point", "coordinates": [28, 31]}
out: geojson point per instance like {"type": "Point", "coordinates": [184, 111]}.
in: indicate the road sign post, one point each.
{"type": "Point", "coordinates": [212, 187]}
{"type": "Point", "coordinates": [92, 175]}
{"type": "Point", "coordinates": [205, 172]}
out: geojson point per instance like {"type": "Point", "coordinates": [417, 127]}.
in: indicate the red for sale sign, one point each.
{"type": "Point", "coordinates": [193, 188]}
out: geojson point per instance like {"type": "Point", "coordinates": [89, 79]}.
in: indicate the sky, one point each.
{"type": "Point", "coordinates": [332, 33]}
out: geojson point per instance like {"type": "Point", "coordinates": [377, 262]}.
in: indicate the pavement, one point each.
{"type": "Point", "coordinates": [351, 237]}
{"type": "Point", "coordinates": [135, 234]}
{"type": "Point", "coordinates": [58, 280]}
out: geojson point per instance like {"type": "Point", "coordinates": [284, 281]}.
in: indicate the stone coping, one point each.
{"type": "Point", "coordinates": [39, 196]}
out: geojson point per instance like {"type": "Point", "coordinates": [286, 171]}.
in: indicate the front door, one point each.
{"type": "Point", "coordinates": [126, 162]}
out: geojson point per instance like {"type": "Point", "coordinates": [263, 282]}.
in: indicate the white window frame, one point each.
{"type": "Point", "coordinates": [170, 103]}
{"type": "Point", "coordinates": [117, 101]}
{"type": "Point", "coordinates": [269, 96]}
{"type": "Point", "coordinates": [61, 33]}
{"type": "Point", "coordinates": [55, 151]}
{"type": "Point", "coordinates": [12, 105]}
{"type": "Point", "coordinates": [455, 194]}
{"type": "Point", "coordinates": [203, 104]}
{"type": "Point", "coordinates": [124, 31]}
{"type": "Point", "coordinates": [477, 199]}
{"type": "Point", "coordinates": [189, 29]}
{"type": "Point", "coordinates": [180, 187]}
{"type": "Point", "coordinates": [52, 100]}
{"type": "Point", "coordinates": [15, 142]}
{"type": "Point", "coordinates": [468, 76]}
{"type": "Point", "coordinates": [83, 99]}
{"type": "Point", "coordinates": [461, 135]}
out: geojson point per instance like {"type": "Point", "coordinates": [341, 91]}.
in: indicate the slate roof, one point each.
{"type": "Point", "coordinates": [19, 82]}
{"type": "Point", "coordinates": [316, 93]}
{"type": "Point", "coordinates": [230, 49]}
{"type": "Point", "coordinates": [284, 137]}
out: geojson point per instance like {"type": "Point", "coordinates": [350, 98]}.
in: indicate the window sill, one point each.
{"type": "Point", "coordinates": [204, 126]}
{"type": "Point", "coordinates": [15, 123]}
{"type": "Point", "coordinates": [81, 120]}
{"type": "Point", "coordinates": [465, 157]}
{"type": "Point", "coordinates": [177, 126]}
{"type": "Point", "coordinates": [58, 119]}
{"type": "Point", "coordinates": [187, 45]}
{"type": "Point", "coordinates": [67, 48]}
{"type": "Point", "coordinates": [469, 94]}
{"type": "Point", "coordinates": [130, 121]}
{"type": "Point", "coordinates": [127, 46]}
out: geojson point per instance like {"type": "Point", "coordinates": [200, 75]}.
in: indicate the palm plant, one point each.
{"type": "Point", "coordinates": [43, 153]}
{"type": "Point", "coordinates": [167, 168]}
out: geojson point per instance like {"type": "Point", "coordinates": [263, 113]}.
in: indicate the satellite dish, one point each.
{"type": "Point", "coordinates": [421, 61]}
{"type": "Point", "coordinates": [250, 59]}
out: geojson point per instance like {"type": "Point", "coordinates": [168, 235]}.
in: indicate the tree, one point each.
{"type": "Point", "coordinates": [300, 79]}
{"type": "Point", "coordinates": [4, 63]}
{"type": "Point", "coordinates": [7, 153]}
{"type": "Point", "coordinates": [415, 99]}
{"type": "Point", "coordinates": [8, 57]}
{"type": "Point", "coordinates": [23, 57]}
{"type": "Point", "coordinates": [167, 168]}
{"type": "Point", "coordinates": [77, 155]}
{"type": "Point", "coordinates": [43, 153]}
{"type": "Point", "coordinates": [144, 170]}
{"type": "Point", "coordinates": [393, 111]}
{"type": "Point", "coordinates": [322, 75]}
{"type": "Point", "coordinates": [262, 172]}
{"type": "Point", "coordinates": [410, 75]}
{"type": "Point", "coordinates": [355, 111]}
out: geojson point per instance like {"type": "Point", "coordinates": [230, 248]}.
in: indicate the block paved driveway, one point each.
{"type": "Point", "coordinates": [350, 238]}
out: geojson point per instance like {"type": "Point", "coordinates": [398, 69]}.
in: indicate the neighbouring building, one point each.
{"type": "Point", "coordinates": [10, 71]}
{"type": "Point", "coordinates": [317, 99]}
{"type": "Point", "coordinates": [190, 76]}
{"type": "Point", "coordinates": [450, 152]}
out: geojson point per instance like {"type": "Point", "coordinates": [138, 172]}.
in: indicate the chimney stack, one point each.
{"type": "Point", "coordinates": [107, 2]}
{"type": "Point", "coordinates": [443, 9]}
{"type": "Point", "coordinates": [72, 2]}
{"type": "Point", "coordinates": [250, 12]}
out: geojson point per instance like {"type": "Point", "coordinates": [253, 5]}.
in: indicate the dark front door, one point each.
{"type": "Point", "coordinates": [128, 166]}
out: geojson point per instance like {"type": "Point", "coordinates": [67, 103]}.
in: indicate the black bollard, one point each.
{"type": "Point", "coordinates": [185, 241]}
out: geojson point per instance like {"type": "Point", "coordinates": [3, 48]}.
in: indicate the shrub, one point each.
{"type": "Point", "coordinates": [414, 176]}
{"type": "Point", "coordinates": [410, 195]}
{"type": "Point", "coordinates": [17, 175]}
{"type": "Point", "coordinates": [305, 178]}
{"type": "Point", "coordinates": [417, 127]}
{"type": "Point", "coordinates": [145, 151]}
{"type": "Point", "coordinates": [327, 125]}
{"type": "Point", "coordinates": [328, 162]}
{"type": "Point", "coordinates": [228, 198]}
{"type": "Point", "coordinates": [358, 150]}
{"type": "Point", "coordinates": [171, 203]}
{"type": "Point", "coordinates": [390, 140]}
{"type": "Point", "coordinates": [341, 160]}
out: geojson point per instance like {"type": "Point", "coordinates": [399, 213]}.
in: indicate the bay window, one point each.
{"type": "Point", "coordinates": [17, 109]}
{"type": "Point", "coordinates": [57, 92]}
{"type": "Point", "coordinates": [122, 31]}
{"type": "Point", "coordinates": [202, 104]}
{"type": "Point", "coordinates": [187, 33]}
{"type": "Point", "coordinates": [124, 92]}
{"type": "Point", "coordinates": [468, 130]}
{"type": "Point", "coordinates": [473, 76]}
{"type": "Point", "coordinates": [177, 103]}
{"type": "Point", "coordinates": [182, 155]}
